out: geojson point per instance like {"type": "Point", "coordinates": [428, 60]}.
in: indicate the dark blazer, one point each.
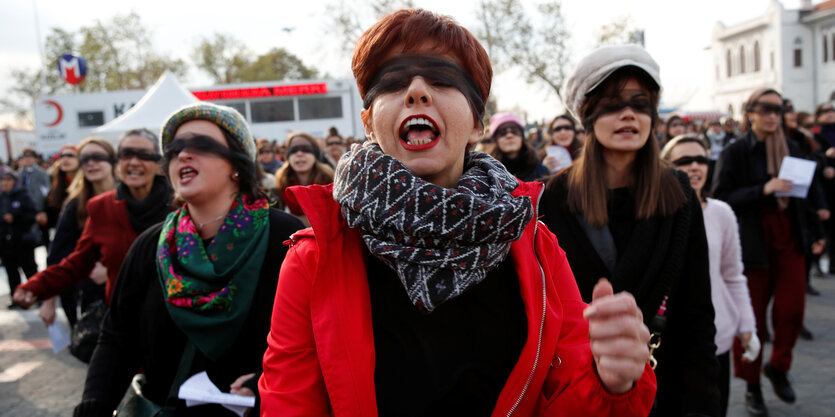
{"type": "Point", "coordinates": [666, 256]}
{"type": "Point", "coordinates": [740, 179]}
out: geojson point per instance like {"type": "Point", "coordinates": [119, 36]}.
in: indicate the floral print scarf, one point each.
{"type": "Point", "coordinates": [208, 286]}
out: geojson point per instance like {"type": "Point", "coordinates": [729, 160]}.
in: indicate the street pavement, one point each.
{"type": "Point", "coordinates": [35, 382]}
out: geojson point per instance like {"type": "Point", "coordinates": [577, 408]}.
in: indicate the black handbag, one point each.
{"type": "Point", "coordinates": [135, 404]}
{"type": "Point", "coordinates": [85, 333]}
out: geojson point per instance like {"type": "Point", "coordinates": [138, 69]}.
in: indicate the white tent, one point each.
{"type": "Point", "coordinates": [162, 99]}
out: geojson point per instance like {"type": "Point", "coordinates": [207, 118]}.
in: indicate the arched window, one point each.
{"type": "Point", "coordinates": [728, 61]}
{"type": "Point", "coordinates": [756, 56]}
{"type": "Point", "coordinates": [741, 59]}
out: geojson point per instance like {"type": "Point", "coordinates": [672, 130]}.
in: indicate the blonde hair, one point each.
{"type": "Point", "coordinates": [82, 189]}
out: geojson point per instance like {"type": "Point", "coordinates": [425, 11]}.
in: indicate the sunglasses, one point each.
{"type": "Point", "coordinates": [94, 157]}
{"type": "Point", "coordinates": [265, 151]}
{"type": "Point", "coordinates": [334, 143]}
{"type": "Point", "coordinates": [827, 110]}
{"type": "Point", "coordinates": [67, 155]}
{"type": "Point", "coordinates": [511, 130]}
{"type": "Point", "coordinates": [764, 109]}
{"type": "Point", "coordinates": [142, 154]}
{"type": "Point", "coordinates": [687, 160]}
{"type": "Point", "coordinates": [301, 148]}
{"type": "Point", "coordinates": [561, 128]}
{"type": "Point", "coordinates": [488, 141]}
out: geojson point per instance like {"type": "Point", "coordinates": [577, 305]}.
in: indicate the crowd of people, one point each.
{"type": "Point", "coordinates": [609, 262]}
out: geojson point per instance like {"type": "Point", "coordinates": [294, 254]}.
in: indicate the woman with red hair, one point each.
{"type": "Point", "coordinates": [426, 286]}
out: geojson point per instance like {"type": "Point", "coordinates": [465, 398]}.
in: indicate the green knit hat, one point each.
{"type": "Point", "coordinates": [226, 118]}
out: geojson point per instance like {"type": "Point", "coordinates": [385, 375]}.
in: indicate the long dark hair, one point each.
{"type": "Point", "coordinates": [654, 186]}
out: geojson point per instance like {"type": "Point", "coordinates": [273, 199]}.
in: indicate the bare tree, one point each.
{"type": "Point", "coordinates": [535, 44]}
{"type": "Point", "coordinates": [619, 31]}
{"type": "Point", "coordinates": [347, 21]}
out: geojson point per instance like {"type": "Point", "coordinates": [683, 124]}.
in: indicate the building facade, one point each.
{"type": "Point", "coordinates": [792, 51]}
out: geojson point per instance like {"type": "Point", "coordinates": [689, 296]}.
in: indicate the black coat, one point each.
{"type": "Point", "coordinates": [665, 256]}
{"type": "Point", "coordinates": [19, 204]}
{"type": "Point", "coordinates": [740, 179]}
{"type": "Point", "coordinates": [66, 235]}
{"type": "Point", "coordinates": [138, 332]}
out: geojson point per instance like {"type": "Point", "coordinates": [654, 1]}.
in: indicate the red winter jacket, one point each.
{"type": "Point", "coordinates": [106, 237]}
{"type": "Point", "coordinates": [320, 360]}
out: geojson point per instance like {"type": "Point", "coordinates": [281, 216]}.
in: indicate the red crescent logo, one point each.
{"type": "Point", "coordinates": [58, 109]}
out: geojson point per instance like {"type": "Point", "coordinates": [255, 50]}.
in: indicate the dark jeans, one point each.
{"type": "Point", "coordinates": [18, 256]}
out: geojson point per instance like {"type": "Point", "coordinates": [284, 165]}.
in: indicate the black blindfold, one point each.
{"type": "Point", "coordinates": [397, 73]}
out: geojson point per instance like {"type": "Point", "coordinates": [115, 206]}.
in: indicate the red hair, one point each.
{"type": "Point", "coordinates": [410, 30]}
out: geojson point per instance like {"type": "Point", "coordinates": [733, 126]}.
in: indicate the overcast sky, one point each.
{"type": "Point", "coordinates": [676, 31]}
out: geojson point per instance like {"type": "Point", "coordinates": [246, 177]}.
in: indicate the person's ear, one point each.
{"type": "Point", "coordinates": [365, 115]}
{"type": "Point", "coordinates": [476, 134]}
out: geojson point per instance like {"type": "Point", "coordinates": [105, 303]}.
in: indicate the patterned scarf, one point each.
{"type": "Point", "coordinates": [440, 241]}
{"type": "Point", "coordinates": [208, 288]}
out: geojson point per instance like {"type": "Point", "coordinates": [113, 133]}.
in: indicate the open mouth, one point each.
{"type": "Point", "coordinates": [419, 132]}
{"type": "Point", "coordinates": [187, 174]}
{"type": "Point", "coordinates": [629, 130]}
{"type": "Point", "coordinates": [135, 173]}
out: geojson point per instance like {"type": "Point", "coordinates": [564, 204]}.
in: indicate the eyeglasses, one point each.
{"type": "Point", "coordinates": [301, 148]}
{"type": "Point", "coordinates": [764, 109]}
{"type": "Point", "coordinates": [510, 130]}
{"type": "Point", "coordinates": [94, 157]}
{"type": "Point", "coordinates": [561, 128]}
{"type": "Point", "coordinates": [142, 154]}
{"type": "Point", "coordinates": [67, 155]}
{"type": "Point", "coordinates": [687, 160]}
{"type": "Point", "coordinates": [677, 125]}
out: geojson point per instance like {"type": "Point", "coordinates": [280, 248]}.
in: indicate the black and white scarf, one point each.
{"type": "Point", "coordinates": [440, 241]}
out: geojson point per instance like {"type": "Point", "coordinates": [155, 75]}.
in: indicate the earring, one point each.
{"type": "Point", "coordinates": [235, 176]}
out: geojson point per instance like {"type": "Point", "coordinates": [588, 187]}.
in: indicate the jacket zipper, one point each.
{"type": "Point", "coordinates": [542, 319]}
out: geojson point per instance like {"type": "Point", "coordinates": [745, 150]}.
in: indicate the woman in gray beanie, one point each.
{"type": "Point", "coordinates": [622, 214]}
